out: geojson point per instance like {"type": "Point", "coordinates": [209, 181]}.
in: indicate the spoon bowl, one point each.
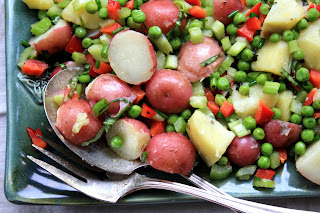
{"type": "Point", "coordinates": [97, 154]}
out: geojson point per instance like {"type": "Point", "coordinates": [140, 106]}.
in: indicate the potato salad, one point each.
{"type": "Point", "coordinates": [230, 84]}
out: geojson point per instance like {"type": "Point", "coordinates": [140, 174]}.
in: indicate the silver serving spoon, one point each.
{"type": "Point", "coordinates": [97, 154]}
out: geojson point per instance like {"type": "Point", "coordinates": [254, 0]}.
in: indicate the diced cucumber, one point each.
{"type": "Point", "coordinates": [171, 62]}
{"type": "Point", "coordinates": [218, 29]}
{"type": "Point", "coordinates": [274, 160]}
{"type": "Point", "coordinates": [226, 44]}
{"type": "Point", "coordinates": [196, 35]}
{"type": "Point", "coordinates": [237, 47]}
{"type": "Point", "coordinates": [197, 88]}
{"type": "Point", "coordinates": [162, 44]}
{"type": "Point", "coordinates": [218, 172]}
{"type": "Point", "coordinates": [246, 172]}
{"type": "Point", "coordinates": [28, 53]}
{"type": "Point", "coordinates": [198, 101]}
{"type": "Point", "coordinates": [238, 128]}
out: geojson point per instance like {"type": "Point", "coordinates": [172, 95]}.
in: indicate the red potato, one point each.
{"type": "Point", "coordinates": [54, 40]}
{"type": "Point", "coordinates": [76, 121]}
{"type": "Point", "coordinates": [222, 8]}
{"type": "Point", "coordinates": [169, 91]}
{"type": "Point", "coordinates": [171, 152]}
{"type": "Point", "coordinates": [243, 151]}
{"type": "Point", "coordinates": [110, 87]}
{"type": "Point", "coordinates": [281, 134]}
{"type": "Point", "coordinates": [162, 13]}
{"type": "Point", "coordinates": [191, 55]}
{"type": "Point", "coordinates": [133, 62]}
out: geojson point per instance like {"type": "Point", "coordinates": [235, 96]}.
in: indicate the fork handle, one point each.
{"type": "Point", "coordinates": [230, 202]}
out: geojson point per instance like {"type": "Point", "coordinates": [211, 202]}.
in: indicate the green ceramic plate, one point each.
{"type": "Point", "coordinates": [27, 183]}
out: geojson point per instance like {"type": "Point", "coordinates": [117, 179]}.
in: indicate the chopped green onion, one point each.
{"type": "Point", "coordinates": [97, 64]}
{"type": "Point", "coordinates": [73, 85]}
{"type": "Point", "coordinates": [233, 14]}
{"type": "Point", "coordinates": [102, 105]}
{"type": "Point", "coordinates": [104, 51]}
{"type": "Point", "coordinates": [144, 156]}
{"type": "Point", "coordinates": [252, 14]}
{"type": "Point", "coordinates": [210, 60]}
{"type": "Point", "coordinates": [288, 77]}
{"type": "Point", "coordinates": [25, 43]}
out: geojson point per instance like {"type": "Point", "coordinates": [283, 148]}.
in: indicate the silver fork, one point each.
{"type": "Point", "coordinates": [115, 188]}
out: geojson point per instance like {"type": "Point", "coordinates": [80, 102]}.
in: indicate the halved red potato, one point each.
{"type": "Point", "coordinates": [169, 91]}
{"type": "Point", "coordinates": [54, 40]}
{"type": "Point", "coordinates": [222, 8]}
{"type": "Point", "coordinates": [171, 152]}
{"type": "Point", "coordinates": [132, 57]}
{"type": "Point", "coordinates": [76, 121]}
{"type": "Point", "coordinates": [134, 134]}
{"type": "Point", "coordinates": [110, 87]}
{"type": "Point", "coordinates": [191, 55]}
{"type": "Point", "coordinates": [162, 13]}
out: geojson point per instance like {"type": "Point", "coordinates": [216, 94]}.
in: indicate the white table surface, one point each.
{"type": "Point", "coordinates": [5, 206]}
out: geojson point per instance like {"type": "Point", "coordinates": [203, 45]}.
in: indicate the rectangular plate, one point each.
{"type": "Point", "coordinates": [25, 182]}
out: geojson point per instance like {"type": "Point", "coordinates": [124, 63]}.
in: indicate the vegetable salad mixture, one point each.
{"type": "Point", "coordinates": [233, 81]}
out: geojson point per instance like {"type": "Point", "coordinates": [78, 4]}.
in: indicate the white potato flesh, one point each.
{"type": "Point", "coordinates": [134, 134]}
{"type": "Point", "coordinates": [308, 164]}
{"type": "Point", "coordinates": [132, 57]}
{"type": "Point", "coordinates": [39, 4]}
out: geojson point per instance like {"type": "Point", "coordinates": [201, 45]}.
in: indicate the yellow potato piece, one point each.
{"type": "Point", "coordinates": [283, 104]}
{"type": "Point", "coordinates": [210, 138]}
{"type": "Point", "coordinates": [39, 4]}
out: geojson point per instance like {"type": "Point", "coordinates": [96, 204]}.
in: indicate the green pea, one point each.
{"type": "Point", "coordinates": [244, 65]}
{"type": "Point", "coordinates": [219, 115]}
{"type": "Point", "coordinates": [275, 38]}
{"type": "Point", "coordinates": [302, 24]}
{"type": "Point", "coordinates": [232, 29]}
{"type": "Point", "coordinates": [122, 2]}
{"type": "Point", "coordinates": [84, 78]}
{"type": "Point", "coordinates": [86, 42]}
{"type": "Point", "coordinates": [170, 128]}
{"type": "Point", "coordinates": [264, 9]}
{"type": "Point", "coordinates": [276, 113]}
{"type": "Point", "coordinates": [256, 41]}
{"type": "Point", "coordinates": [255, 2]}
{"type": "Point", "coordinates": [266, 149]}
{"type": "Point", "coordinates": [264, 162]}
{"type": "Point", "coordinates": [103, 13]}
{"type": "Point", "coordinates": [295, 34]}
{"type": "Point", "coordinates": [116, 142]}
{"type": "Point", "coordinates": [261, 79]}
{"type": "Point", "coordinates": [307, 135]}
{"type": "Point", "coordinates": [244, 90]}
{"type": "Point", "coordinates": [298, 55]}
{"type": "Point", "coordinates": [219, 99]}
{"type": "Point", "coordinates": [302, 75]}
{"type": "Point", "coordinates": [300, 148]}
{"type": "Point", "coordinates": [216, 75]}
{"type": "Point", "coordinates": [223, 161]}
{"type": "Point", "coordinates": [309, 122]}
{"type": "Point", "coordinates": [91, 7]}
{"type": "Point", "coordinates": [307, 86]}
{"type": "Point", "coordinates": [186, 114]}
{"type": "Point", "coordinates": [80, 32]}
{"type": "Point", "coordinates": [249, 122]}
{"type": "Point", "coordinates": [307, 111]}
{"type": "Point", "coordinates": [138, 16]}
{"type": "Point", "coordinates": [249, 3]}
{"type": "Point", "coordinates": [175, 43]}
{"type": "Point", "coordinates": [240, 76]}
{"type": "Point", "coordinates": [239, 18]}
{"type": "Point", "coordinates": [134, 111]}
{"type": "Point", "coordinates": [287, 35]}
{"type": "Point", "coordinates": [172, 119]}
{"type": "Point", "coordinates": [282, 87]}
{"type": "Point", "coordinates": [247, 54]}
{"type": "Point", "coordinates": [316, 104]}
{"type": "Point", "coordinates": [295, 118]}
{"type": "Point", "coordinates": [155, 32]}
{"type": "Point", "coordinates": [312, 15]}
{"type": "Point", "coordinates": [223, 83]}
{"type": "Point", "coordinates": [42, 14]}
{"type": "Point", "coordinates": [258, 133]}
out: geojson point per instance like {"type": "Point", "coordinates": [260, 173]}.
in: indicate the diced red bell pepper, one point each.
{"type": "Point", "coordinates": [194, 2]}
{"type": "Point", "coordinates": [103, 68]}
{"type": "Point", "coordinates": [110, 28]}
{"type": "Point", "coordinates": [214, 108]}
{"type": "Point", "coordinates": [90, 60]}
{"type": "Point", "coordinates": [262, 18]}
{"type": "Point", "coordinates": [157, 127]}
{"type": "Point", "coordinates": [74, 45]}
{"type": "Point", "coordinates": [282, 155]}
{"type": "Point", "coordinates": [208, 94]}
{"type": "Point", "coordinates": [113, 7]}
{"type": "Point", "coordinates": [264, 114]}
{"type": "Point", "coordinates": [130, 4]}
{"type": "Point", "coordinates": [147, 111]}
{"type": "Point", "coordinates": [35, 139]}
{"type": "Point", "coordinates": [253, 24]}
{"type": "Point", "coordinates": [312, 5]}
{"type": "Point", "coordinates": [34, 67]}
{"type": "Point", "coordinates": [315, 78]}
{"type": "Point", "coordinates": [265, 174]}
{"type": "Point", "coordinates": [197, 12]}
{"type": "Point", "coordinates": [245, 32]}
{"type": "Point", "coordinates": [139, 93]}
{"type": "Point", "coordinates": [255, 9]}
{"type": "Point", "coordinates": [316, 114]}
{"type": "Point", "coordinates": [243, 2]}
{"type": "Point", "coordinates": [309, 98]}
{"type": "Point", "coordinates": [226, 108]}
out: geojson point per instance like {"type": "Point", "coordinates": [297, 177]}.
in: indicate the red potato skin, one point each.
{"type": "Point", "coordinates": [222, 8]}
{"type": "Point", "coordinates": [171, 152]}
{"type": "Point", "coordinates": [162, 13]}
{"type": "Point", "coordinates": [243, 151]}
{"type": "Point", "coordinates": [56, 41]}
{"type": "Point", "coordinates": [67, 116]}
{"type": "Point", "coordinates": [281, 134]}
{"type": "Point", "coordinates": [110, 87]}
{"type": "Point", "coordinates": [191, 55]}
{"type": "Point", "coordinates": [169, 91]}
